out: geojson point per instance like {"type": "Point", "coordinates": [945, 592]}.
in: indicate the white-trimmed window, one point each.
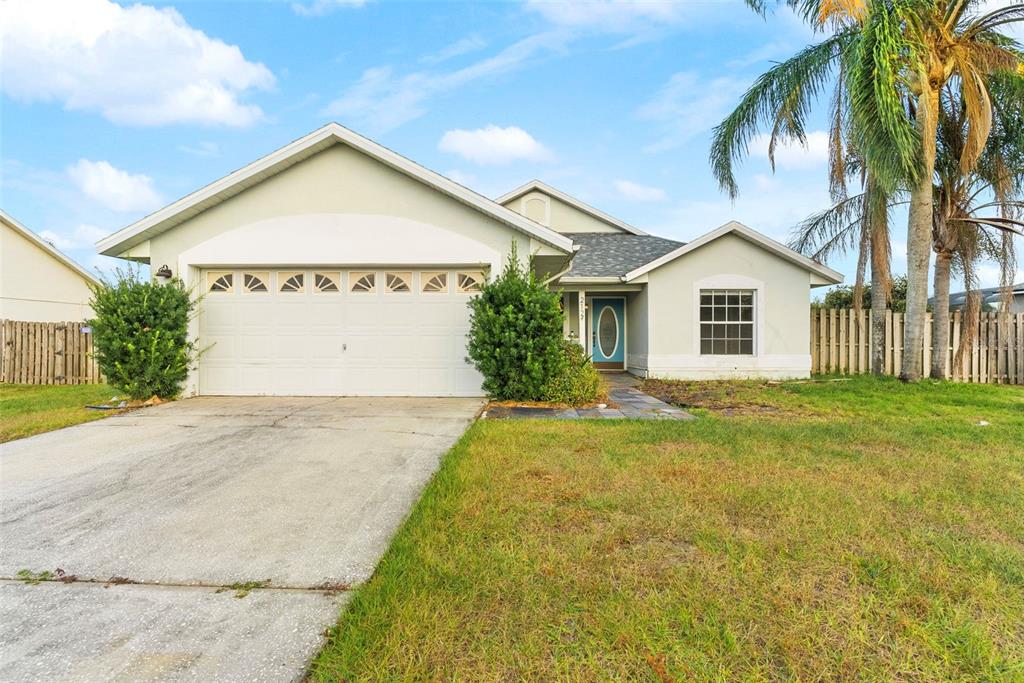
{"type": "Point", "coordinates": [326, 282]}
{"type": "Point", "coordinates": [362, 282]}
{"type": "Point", "coordinates": [291, 282]}
{"type": "Point", "coordinates": [727, 322]}
{"type": "Point", "coordinates": [469, 281]}
{"type": "Point", "coordinates": [220, 282]}
{"type": "Point", "coordinates": [397, 282]}
{"type": "Point", "coordinates": [256, 282]}
{"type": "Point", "coordinates": [432, 282]}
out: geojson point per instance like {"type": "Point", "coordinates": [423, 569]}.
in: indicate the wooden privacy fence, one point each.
{"type": "Point", "coordinates": [841, 343]}
{"type": "Point", "coordinates": [47, 353]}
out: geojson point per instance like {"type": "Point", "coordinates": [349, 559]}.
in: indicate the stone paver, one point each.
{"type": "Point", "coordinates": [631, 403]}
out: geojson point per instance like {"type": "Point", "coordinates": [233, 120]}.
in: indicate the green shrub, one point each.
{"type": "Point", "coordinates": [140, 334]}
{"type": "Point", "coordinates": [515, 337]}
{"type": "Point", "coordinates": [579, 381]}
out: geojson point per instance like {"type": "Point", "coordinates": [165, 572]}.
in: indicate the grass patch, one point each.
{"type": "Point", "coordinates": [243, 588]}
{"type": "Point", "coordinates": [31, 409]}
{"type": "Point", "coordinates": [885, 542]}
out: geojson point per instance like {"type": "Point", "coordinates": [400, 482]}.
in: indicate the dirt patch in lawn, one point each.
{"type": "Point", "coordinates": [729, 398]}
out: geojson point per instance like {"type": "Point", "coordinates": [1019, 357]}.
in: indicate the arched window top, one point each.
{"type": "Point", "coordinates": [255, 282]}
{"type": "Point", "coordinates": [363, 282]}
{"type": "Point", "coordinates": [292, 282]}
{"type": "Point", "coordinates": [434, 282]}
{"type": "Point", "coordinates": [326, 282]}
{"type": "Point", "coordinates": [397, 282]}
{"type": "Point", "coordinates": [470, 281]}
{"type": "Point", "coordinates": [220, 282]}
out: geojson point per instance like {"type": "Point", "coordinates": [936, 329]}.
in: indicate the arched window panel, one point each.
{"type": "Point", "coordinates": [398, 282]}
{"type": "Point", "coordinates": [327, 282]}
{"type": "Point", "coordinates": [220, 282]}
{"type": "Point", "coordinates": [470, 281]}
{"type": "Point", "coordinates": [434, 282]}
{"type": "Point", "coordinates": [363, 282]}
{"type": "Point", "coordinates": [255, 282]}
{"type": "Point", "coordinates": [291, 282]}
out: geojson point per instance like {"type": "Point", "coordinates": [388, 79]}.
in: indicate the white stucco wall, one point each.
{"type": "Point", "coordinates": [637, 332]}
{"type": "Point", "coordinates": [35, 286]}
{"type": "Point", "coordinates": [556, 214]}
{"type": "Point", "coordinates": [782, 322]}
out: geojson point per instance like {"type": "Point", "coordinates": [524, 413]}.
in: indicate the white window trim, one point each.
{"type": "Point", "coordinates": [730, 282]}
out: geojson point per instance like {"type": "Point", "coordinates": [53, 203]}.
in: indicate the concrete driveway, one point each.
{"type": "Point", "coordinates": [180, 499]}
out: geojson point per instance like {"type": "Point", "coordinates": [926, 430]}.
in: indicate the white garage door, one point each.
{"type": "Point", "coordinates": [328, 332]}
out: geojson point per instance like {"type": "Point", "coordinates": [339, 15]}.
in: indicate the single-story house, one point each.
{"type": "Point", "coordinates": [335, 266]}
{"type": "Point", "coordinates": [38, 283]}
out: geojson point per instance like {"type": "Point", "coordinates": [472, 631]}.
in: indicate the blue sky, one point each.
{"type": "Point", "coordinates": [111, 111]}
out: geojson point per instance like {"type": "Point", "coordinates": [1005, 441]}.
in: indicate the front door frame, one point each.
{"type": "Point", "coordinates": [591, 334]}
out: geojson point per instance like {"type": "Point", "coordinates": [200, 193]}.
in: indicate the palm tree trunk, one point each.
{"type": "Point", "coordinates": [879, 299]}
{"type": "Point", "coordinates": [919, 238]}
{"type": "Point", "coordinates": [940, 315]}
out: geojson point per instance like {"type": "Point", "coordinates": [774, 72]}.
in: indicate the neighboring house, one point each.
{"type": "Point", "coordinates": [991, 299]}
{"type": "Point", "coordinates": [336, 266]}
{"type": "Point", "coordinates": [37, 282]}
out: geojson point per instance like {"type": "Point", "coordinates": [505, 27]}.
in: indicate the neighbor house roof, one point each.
{"type": "Point", "coordinates": [989, 295]}
{"type": "Point", "coordinates": [303, 148]}
{"type": "Point", "coordinates": [615, 254]}
{"type": "Point", "coordinates": [571, 201]}
{"type": "Point", "coordinates": [749, 234]}
{"type": "Point", "coordinates": [47, 247]}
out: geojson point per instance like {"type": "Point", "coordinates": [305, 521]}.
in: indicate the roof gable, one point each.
{"type": "Point", "coordinates": [303, 148]}
{"type": "Point", "coordinates": [735, 228]}
{"type": "Point", "coordinates": [46, 247]}
{"type": "Point", "coordinates": [544, 188]}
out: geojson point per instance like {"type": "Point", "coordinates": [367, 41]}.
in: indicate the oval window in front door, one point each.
{"type": "Point", "coordinates": [608, 331]}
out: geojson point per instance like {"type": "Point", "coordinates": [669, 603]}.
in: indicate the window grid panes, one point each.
{"type": "Point", "coordinates": [434, 282]}
{"type": "Point", "coordinates": [470, 281]}
{"type": "Point", "coordinates": [727, 322]}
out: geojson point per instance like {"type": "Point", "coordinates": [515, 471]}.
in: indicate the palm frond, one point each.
{"type": "Point", "coordinates": [781, 96]}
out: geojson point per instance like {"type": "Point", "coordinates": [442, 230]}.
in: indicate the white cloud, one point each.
{"type": "Point", "coordinates": [687, 106]}
{"type": "Point", "coordinates": [640, 193]}
{"type": "Point", "coordinates": [136, 65]}
{"type": "Point", "coordinates": [610, 16]}
{"type": "Point", "coordinates": [113, 188]}
{"type": "Point", "coordinates": [381, 100]}
{"type": "Point", "coordinates": [791, 154]}
{"type": "Point", "coordinates": [494, 145]}
{"type": "Point", "coordinates": [202, 149]}
{"type": "Point", "coordinates": [319, 8]}
{"type": "Point", "coordinates": [82, 237]}
{"type": "Point", "coordinates": [456, 49]}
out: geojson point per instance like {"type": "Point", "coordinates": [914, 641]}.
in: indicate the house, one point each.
{"type": "Point", "coordinates": [336, 266]}
{"type": "Point", "coordinates": [991, 298]}
{"type": "Point", "coordinates": [37, 282]}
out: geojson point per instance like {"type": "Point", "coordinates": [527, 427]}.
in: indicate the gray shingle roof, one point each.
{"type": "Point", "coordinates": [614, 255]}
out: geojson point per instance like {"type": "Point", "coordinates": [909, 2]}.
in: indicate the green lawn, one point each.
{"type": "Point", "coordinates": [30, 409]}
{"type": "Point", "coordinates": [860, 530]}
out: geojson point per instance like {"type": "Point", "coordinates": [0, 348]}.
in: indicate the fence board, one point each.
{"type": "Point", "coordinates": [46, 353]}
{"type": "Point", "coordinates": [841, 342]}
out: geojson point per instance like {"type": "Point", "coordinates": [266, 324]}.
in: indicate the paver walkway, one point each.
{"type": "Point", "coordinates": [631, 402]}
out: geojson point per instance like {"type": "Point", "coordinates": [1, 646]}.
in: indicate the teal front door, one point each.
{"type": "Point", "coordinates": [608, 332]}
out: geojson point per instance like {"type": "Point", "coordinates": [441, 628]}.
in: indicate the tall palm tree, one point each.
{"type": "Point", "coordinates": [993, 186]}
{"type": "Point", "coordinates": [892, 58]}
{"type": "Point", "coordinates": [908, 52]}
